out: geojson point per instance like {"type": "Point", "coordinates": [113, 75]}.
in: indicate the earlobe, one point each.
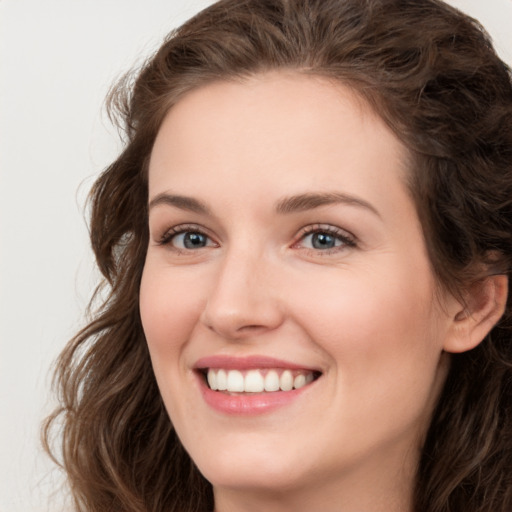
{"type": "Point", "coordinates": [485, 304]}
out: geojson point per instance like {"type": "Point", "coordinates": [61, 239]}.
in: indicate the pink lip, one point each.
{"type": "Point", "coordinates": [259, 403]}
{"type": "Point", "coordinates": [247, 404]}
{"type": "Point", "coordinates": [247, 363]}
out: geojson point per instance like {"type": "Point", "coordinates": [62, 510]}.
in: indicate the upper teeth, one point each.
{"type": "Point", "coordinates": [257, 381]}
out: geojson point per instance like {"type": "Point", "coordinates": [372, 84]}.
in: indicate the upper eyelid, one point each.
{"type": "Point", "coordinates": [348, 240]}
{"type": "Point", "coordinates": [169, 233]}
{"type": "Point", "coordinates": [327, 228]}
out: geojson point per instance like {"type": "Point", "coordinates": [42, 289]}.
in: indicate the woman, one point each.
{"type": "Point", "coordinates": [307, 241]}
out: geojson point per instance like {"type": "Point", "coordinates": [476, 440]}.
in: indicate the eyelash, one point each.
{"type": "Point", "coordinates": [169, 235]}
{"type": "Point", "coordinates": [347, 240]}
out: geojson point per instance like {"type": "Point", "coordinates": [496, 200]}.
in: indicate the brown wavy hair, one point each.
{"type": "Point", "coordinates": [431, 73]}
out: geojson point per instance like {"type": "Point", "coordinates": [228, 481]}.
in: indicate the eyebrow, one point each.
{"type": "Point", "coordinates": [292, 204]}
{"type": "Point", "coordinates": [311, 200]}
{"type": "Point", "coordinates": [182, 202]}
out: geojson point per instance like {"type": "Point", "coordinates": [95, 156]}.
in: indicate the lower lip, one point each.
{"type": "Point", "coordinates": [249, 404]}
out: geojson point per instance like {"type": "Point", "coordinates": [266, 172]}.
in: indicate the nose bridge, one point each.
{"type": "Point", "coordinates": [242, 299]}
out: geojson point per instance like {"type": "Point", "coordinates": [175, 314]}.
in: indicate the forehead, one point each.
{"type": "Point", "coordinates": [278, 126]}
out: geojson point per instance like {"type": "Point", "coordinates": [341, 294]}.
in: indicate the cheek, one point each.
{"type": "Point", "coordinates": [374, 327]}
{"type": "Point", "coordinates": [384, 344]}
{"type": "Point", "coordinates": [170, 308]}
{"type": "Point", "coordinates": [364, 305]}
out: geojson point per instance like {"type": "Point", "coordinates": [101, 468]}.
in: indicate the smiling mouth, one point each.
{"type": "Point", "coordinates": [267, 380]}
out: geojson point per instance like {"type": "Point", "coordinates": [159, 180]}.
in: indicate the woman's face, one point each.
{"type": "Point", "coordinates": [285, 252]}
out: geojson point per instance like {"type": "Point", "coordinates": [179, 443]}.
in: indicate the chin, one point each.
{"type": "Point", "coordinates": [270, 478]}
{"type": "Point", "coordinates": [253, 468]}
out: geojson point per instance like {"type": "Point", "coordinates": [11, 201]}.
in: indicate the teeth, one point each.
{"type": "Point", "coordinates": [212, 380]}
{"type": "Point", "coordinates": [272, 381]}
{"type": "Point", "coordinates": [235, 381]}
{"type": "Point", "coordinates": [222, 380]}
{"type": "Point", "coordinates": [257, 381]}
{"type": "Point", "coordinates": [286, 381]}
{"type": "Point", "coordinates": [299, 381]}
{"type": "Point", "coordinates": [254, 382]}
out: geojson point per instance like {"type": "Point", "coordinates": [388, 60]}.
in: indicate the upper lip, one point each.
{"type": "Point", "coordinates": [248, 363]}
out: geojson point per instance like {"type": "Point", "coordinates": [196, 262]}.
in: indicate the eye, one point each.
{"type": "Point", "coordinates": [185, 238]}
{"type": "Point", "coordinates": [190, 240]}
{"type": "Point", "coordinates": [321, 241]}
{"type": "Point", "coordinates": [325, 239]}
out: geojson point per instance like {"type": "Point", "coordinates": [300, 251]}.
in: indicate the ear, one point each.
{"type": "Point", "coordinates": [485, 304]}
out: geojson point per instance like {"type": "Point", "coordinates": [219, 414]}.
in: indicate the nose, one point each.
{"type": "Point", "coordinates": [244, 298]}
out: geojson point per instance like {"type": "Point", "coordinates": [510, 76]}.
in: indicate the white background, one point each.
{"type": "Point", "coordinates": [57, 61]}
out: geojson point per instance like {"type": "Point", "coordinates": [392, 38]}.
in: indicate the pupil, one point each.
{"type": "Point", "coordinates": [323, 241]}
{"type": "Point", "coordinates": [194, 240]}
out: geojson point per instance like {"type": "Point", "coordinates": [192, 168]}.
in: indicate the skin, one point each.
{"type": "Point", "coordinates": [368, 313]}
